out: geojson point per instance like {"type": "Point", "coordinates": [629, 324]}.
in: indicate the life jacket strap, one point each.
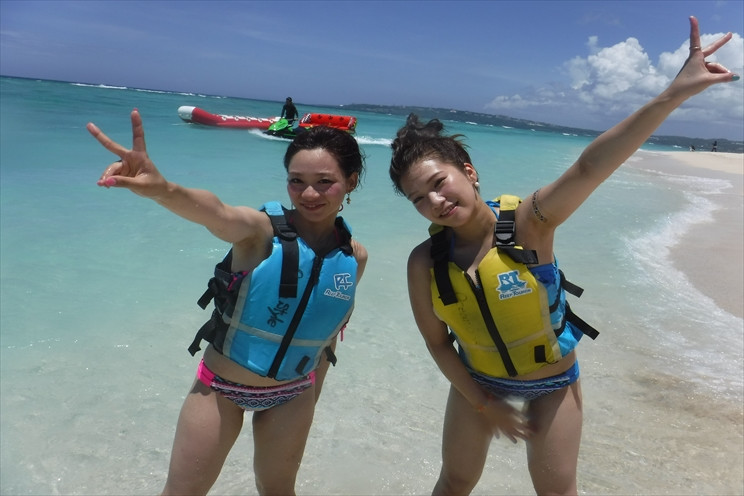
{"type": "Point", "coordinates": [296, 318]}
{"type": "Point", "coordinates": [224, 286]}
{"type": "Point", "coordinates": [217, 290]}
{"type": "Point", "coordinates": [570, 287]}
{"type": "Point", "coordinates": [539, 354]}
{"type": "Point", "coordinates": [568, 315]}
{"type": "Point", "coordinates": [290, 254]}
{"type": "Point", "coordinates": [207, 332]}
{"type": "Point", "coordinates": [217, 285]}
{"type": "Point", "coordinates": [580, 323]}
{"type": "Point", "coordinates": [344, 236]}
{"type": "Point", "coordinates": [504, 235]}
{"type": "Point", "coordinates": [440, 254]}
{"type": "Point", "coordinates": [330, 355]}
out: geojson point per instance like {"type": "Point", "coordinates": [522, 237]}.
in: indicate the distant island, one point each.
{"type": "Point", "coordinates": [700, 144]}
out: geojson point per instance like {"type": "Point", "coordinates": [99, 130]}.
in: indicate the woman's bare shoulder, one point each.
{"type": "Point", "coordinates": [420, 257]}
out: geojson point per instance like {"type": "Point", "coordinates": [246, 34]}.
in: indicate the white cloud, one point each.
{"type": "Point", "coordinates": [609, 83]}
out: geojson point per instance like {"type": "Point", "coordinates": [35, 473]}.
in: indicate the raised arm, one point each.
{"type": "Point", "coordinates": [557, 201]}
{"type": "Point", "coordinates": [136, 172]}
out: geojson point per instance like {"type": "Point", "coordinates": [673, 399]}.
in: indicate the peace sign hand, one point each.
{"type": "Point", "coordinates": [134, 171]}
{"type": "Point", "coordinates": [696, 73]}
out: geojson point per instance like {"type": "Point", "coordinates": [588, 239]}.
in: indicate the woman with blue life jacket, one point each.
{"type": "Point", "coordinates": [281, 296]}
{"type": "Point", "coordinates": [486, 279]}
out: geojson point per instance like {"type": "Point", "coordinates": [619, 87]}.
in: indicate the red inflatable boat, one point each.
{"type": "Point", "coordinates": [200, 116]}
{"type": "Point", "coordinates": [344, 122]}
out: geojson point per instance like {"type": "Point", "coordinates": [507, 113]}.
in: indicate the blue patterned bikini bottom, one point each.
{"type": "Point", "coordinates": [528, 390]}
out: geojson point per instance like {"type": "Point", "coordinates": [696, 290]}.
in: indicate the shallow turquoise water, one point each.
{"type": "Point", "coordinates": [99, 288]}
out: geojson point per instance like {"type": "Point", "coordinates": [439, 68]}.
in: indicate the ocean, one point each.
{"type": "Point", "coordinates": [98, 296]}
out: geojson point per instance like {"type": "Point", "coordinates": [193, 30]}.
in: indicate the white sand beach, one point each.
{"type": "Point", "coordinates": [716, 247]}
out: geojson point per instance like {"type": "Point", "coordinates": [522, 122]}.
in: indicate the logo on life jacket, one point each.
{"type": "Point", "coordinates": [342, 282]}
{"type": "Point", "coordinates": [510, 285]}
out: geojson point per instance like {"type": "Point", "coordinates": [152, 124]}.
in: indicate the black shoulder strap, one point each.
{"type": "Point", "coordinates": [440, 255]}
{"type": "Point", "coordinates": [344, 236]}
{"type": "Point", "coordinates": [291, 255]}
{"type": "Point", "coordinates": [504, 239]}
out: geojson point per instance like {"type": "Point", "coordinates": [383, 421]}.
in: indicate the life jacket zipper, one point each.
{"type": "Point", "coordinates": [296, 318]}
{"type": "Point", "coordinates": [480, 297]}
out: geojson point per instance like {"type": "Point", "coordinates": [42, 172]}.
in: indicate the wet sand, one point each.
{"type": "Point", "coordinates": [711, 254]}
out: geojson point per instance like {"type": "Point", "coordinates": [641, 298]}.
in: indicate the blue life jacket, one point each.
{"type": "Point", "coordinates": [278, 319]}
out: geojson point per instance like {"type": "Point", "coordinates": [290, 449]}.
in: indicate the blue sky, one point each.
{"type": "Point", "coordinates": [575, 63]}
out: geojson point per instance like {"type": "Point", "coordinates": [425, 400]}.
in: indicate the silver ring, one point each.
{"type": "Point", "coordinates": [695, 48]}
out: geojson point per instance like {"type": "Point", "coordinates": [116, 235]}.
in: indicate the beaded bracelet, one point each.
{"type": "Point", "coordinates": [535, 208]}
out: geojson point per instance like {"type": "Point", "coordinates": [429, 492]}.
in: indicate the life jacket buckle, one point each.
{"type": "Point", "coordinates": [504, 232]}
{"type": "Point", "coordinates": [287, 235]}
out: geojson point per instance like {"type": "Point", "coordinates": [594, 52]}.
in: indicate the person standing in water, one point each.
{"type": "Point", "coordinates": [487, 277]}
{"type": "Point", "coordinates": [282, 295]}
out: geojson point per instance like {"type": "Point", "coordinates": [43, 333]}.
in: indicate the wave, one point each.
{"type": "Point", "coordinates": [366, 140]}
{"type": "Point", "coordinates": [145, 90]}
{"type": "Point", "coordinates": [706, 339]}
{"type": "Point", "coordinates": [104, 86]}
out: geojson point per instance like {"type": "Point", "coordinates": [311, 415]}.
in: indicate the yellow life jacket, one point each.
{"type": "Point", "coordinates": [502, 320]}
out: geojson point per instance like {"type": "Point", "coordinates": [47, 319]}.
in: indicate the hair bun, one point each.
{"type": "Point", "coordinates": [415, 130]}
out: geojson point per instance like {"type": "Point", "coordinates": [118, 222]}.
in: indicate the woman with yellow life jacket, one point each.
{"type": "Point", "coordinates": [487, 279]}
{"type": "Point", "coordinates": [282, 294]}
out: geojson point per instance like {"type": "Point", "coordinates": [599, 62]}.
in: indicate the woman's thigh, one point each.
{"type": "Point", "coordinates": [465, 441]}
{"type": "Point", "coordinates": [279, 437]}
{"type": "Point", "coordinates": [553, 450]}
{"type": "Point", "coordinates": [208, 426]}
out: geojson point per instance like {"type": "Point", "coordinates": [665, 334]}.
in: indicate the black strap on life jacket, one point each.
{"type": "Point", "coordinates": [294, 324]}
{"type": "Point", "coordinates": [580, 323]}
{"type": "Point", "coordinates": [224, 286]}
{"type": "Point", "coordinates": [217, 290]}
{"type": "Point", "coordinates": [215, 329]}
{"type": "Point", "coordinates": [440, 255]}
{"type": "Point", "coordinates": [343, 239]}
{"type": "Point", "coordinates": [291, 255]}
{"type": "Point", "coordinates": [568, 315]}
{"type": "Point", "coordinates": [504, 239]}
{"type": "Point", "coordinates": [504, 234]}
